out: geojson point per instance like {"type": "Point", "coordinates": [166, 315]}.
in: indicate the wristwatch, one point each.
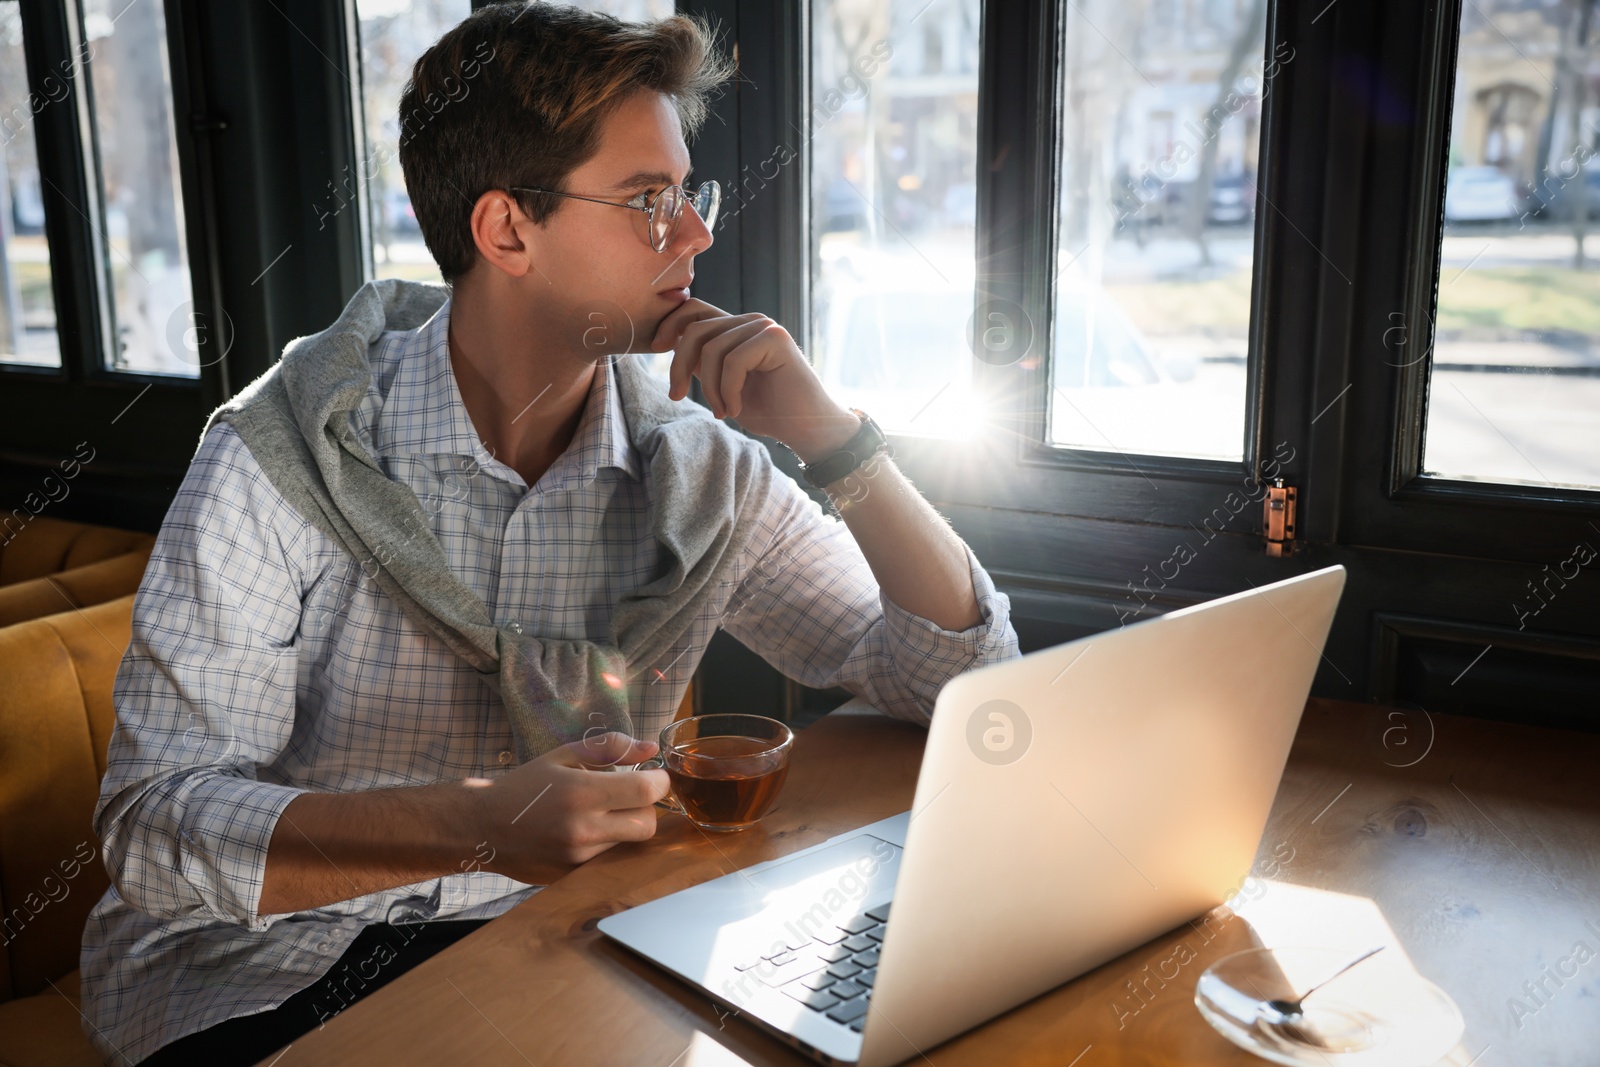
{"type": "Point", "coordinates": [868, 441]}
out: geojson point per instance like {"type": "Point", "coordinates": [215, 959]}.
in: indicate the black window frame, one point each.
{"type": "Point", "coordinates": [1348, 222]}
{"type": "Point", "coordinates": [1347, 225]}
{"type": "Point", "coordinates": [1059, 501]}
{"type": "Point", "coordinates": [1395, 505]}
{"type": "Point", "coordinates": [36, 397]}
{"type": "Point", "coordinates": [262, 268]}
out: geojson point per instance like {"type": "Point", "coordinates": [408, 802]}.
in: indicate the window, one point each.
{"type": "Point", "coordinates": [27, 302]}
{"type": "Point", "coordinates": [394, 33]}
{"type": "Point", "coordinates": [1515, 373]}
{"type": "Point", "coordinates": [1397, 315]}
{"type": "Point", "coordinates": [1160, 127]}
{"type": "Point", "coordinates": [142, 232]}
{"type": "Point", "coordinates": [1149, 326]}
{"type": "Point", "coordinates": [892, 132]}
{"type": "Point", "coordinates": [104, 84]}
{"type": "Point", "coordinates": [630, 10]}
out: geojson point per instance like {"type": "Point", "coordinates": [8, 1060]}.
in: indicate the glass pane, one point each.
{"type": "Point", "coordinates": [893, 141]}
{"type": "Point", "coordinates": [1161, 121]}
{"type": "Point", "coordinates": [1514, 394]}
{"type": "Point", "coordinates": [393, 34]}
{"type": "Point", "coordinates": [147, 255]}
{"type": "Point", "coordinates": [27, 303]}
{"type": "Point", "coordinates": [630, 10]}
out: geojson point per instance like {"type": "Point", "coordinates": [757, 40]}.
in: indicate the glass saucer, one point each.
{"type": "Point", "coordinates": [1381, 1013]}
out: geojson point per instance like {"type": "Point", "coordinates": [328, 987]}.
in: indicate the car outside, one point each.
{"type": "Point", "coordinates": [1480, 194]}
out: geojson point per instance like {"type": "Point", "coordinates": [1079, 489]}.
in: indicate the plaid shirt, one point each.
{"type": "Point", "coordinates": [264, 664]}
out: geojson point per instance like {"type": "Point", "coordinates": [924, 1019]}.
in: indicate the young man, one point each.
{"type": "Point", "coordinates": [413, 566]}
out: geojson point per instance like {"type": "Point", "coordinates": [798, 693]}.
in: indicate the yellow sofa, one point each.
{"type": "Point", "coordinates": [55, 724]}
{"type": "Point", "coordinates": [51, 565]}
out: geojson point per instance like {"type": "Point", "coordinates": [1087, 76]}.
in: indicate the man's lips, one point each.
{"type": "Point", "coordinates": [681, 287]}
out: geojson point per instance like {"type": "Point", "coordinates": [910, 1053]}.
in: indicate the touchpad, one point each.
{"type": "Point", "coordinates": [839, 880]}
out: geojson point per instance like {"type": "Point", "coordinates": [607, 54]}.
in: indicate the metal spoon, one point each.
{"type": "Point", "coordinates": [1288, 1011]}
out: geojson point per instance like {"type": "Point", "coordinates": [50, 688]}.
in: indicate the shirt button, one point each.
{"type": "Point", "coordinates": [322, 947]}
{"type": "Point", "coordinates": [506, 757]}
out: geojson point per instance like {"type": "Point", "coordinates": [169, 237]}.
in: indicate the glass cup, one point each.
{"type": "Point", "coordinates": [1381, 1014]}
{"type": "Point", "coordinates": [726, 770]}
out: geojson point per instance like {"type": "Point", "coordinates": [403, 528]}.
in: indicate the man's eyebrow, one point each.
{"type": "Point", "coordinates": [650, 177]}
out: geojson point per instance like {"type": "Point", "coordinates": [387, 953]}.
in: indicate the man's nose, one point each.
{"type": "Point", "coordinates": [693, 230]}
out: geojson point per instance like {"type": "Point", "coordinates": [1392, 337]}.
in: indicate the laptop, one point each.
{"type": "Point", "coordinates": [1072, 804]}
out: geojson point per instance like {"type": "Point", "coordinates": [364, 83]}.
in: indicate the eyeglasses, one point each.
{"type": "Point", "coordinates": [664, 210]}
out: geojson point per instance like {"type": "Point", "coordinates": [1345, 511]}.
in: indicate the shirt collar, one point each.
{"type": "Point", "coordinates": [602, 437]}
{"type": "Point", "coordinates": [422, 411]}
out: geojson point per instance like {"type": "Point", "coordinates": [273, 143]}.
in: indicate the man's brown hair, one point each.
{"type": "Point", "coordinates": [515, 95]}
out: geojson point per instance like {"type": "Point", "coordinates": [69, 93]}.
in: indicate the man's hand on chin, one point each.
{"type": "Point", "coordinates": [751, 369]}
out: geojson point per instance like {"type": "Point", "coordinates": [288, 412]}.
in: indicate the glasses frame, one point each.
{"type": "Point", "coordinates": [649, 208]}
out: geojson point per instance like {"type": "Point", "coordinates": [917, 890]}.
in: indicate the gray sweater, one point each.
{"type": "Point", "coordinates": [706, 484]}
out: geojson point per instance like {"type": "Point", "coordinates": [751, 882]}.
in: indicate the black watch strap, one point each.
{"type": "Point", "coordinates": [856, 451]}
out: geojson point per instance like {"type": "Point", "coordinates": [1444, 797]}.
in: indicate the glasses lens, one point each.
{"type": "Point", "coordinates": [707, 199]}
{"type": "Point", "coordinates": [664, 220]}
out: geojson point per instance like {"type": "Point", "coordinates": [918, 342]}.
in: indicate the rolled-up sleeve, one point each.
{"type": "Point", "coordinates": [204, 696]}
{"type": "Point", "coordinates": [810, 606]}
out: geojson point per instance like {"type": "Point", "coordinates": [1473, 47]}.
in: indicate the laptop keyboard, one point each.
{"type": "Point", "coordinates": [833, 972]}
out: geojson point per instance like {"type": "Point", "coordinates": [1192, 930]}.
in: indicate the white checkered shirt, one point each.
{"type": "Point", "coordinates": [264, 665]}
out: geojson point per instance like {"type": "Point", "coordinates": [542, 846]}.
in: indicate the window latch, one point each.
{"type": "Point", "coordinates": [1277, 518]}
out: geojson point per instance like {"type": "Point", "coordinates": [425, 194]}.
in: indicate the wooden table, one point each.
{"type": "Point", "coordinates": [1471, 846]}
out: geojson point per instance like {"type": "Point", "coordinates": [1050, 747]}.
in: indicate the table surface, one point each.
{"type": "Point", "coordinates": [1472, 847]}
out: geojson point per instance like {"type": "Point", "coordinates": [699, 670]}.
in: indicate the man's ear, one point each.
{"type": "Point", "coordinates": [498, 227]}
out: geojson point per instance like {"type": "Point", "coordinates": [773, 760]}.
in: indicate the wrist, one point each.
{"type": "Point", "coordinates": [456, 816]}
{"type": "Point", "coordinates": [822, 436]}
{"type": "Point", "coordinates": [850, 456]}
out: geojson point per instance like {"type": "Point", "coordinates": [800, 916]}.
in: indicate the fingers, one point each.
{"type": "Point", "coordinates": [613, 751]}
{"type": "Point", "coordinates": [688, 356]}
{"type": "Point", "coordinates": [624, 810]}
{"type": "Point", "coordinates": [633, 789]}
{"type": "Point", "coordinates": [668, 335]}
{"type": "Point", "coordinates": [631, 824]}
{"type": "Point", "coordinates": [678, 376]}
{"type": "Point", "coordinates": [691, 344]}
{"type": "Point", "coordinates": [747, 354]}
{"type": "Point", "coordinates": [603, 750]}
{"type": "Point", "coordinates": [679, 319]}
{"type": "Point", "coordinates": [606, 829]}
{"type": "Point", "coordinates": [713, 352]}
